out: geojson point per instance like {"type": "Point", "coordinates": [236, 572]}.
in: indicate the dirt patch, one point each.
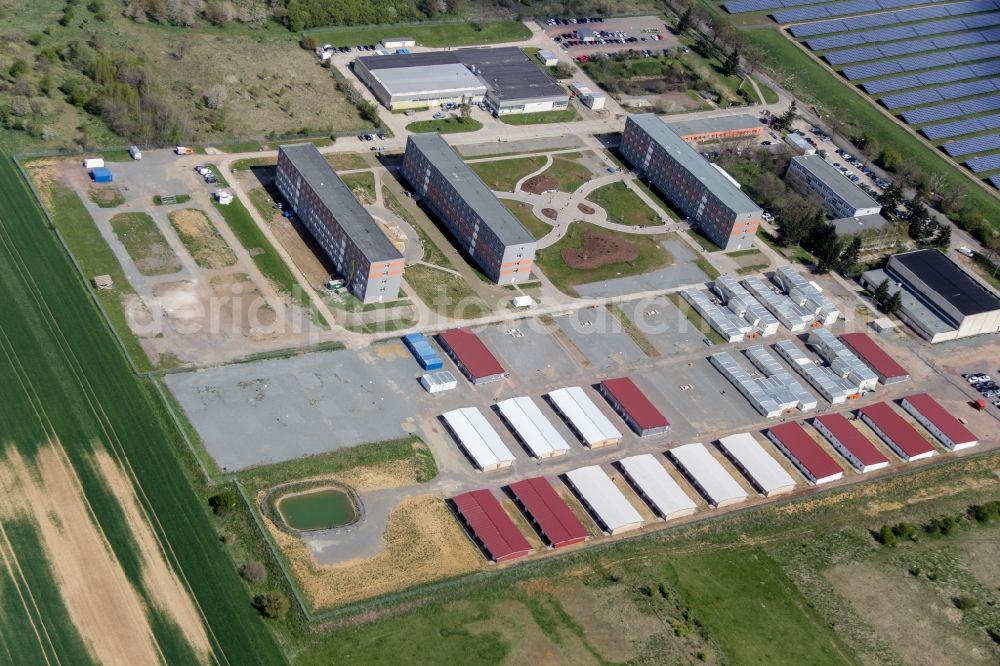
{"type": "Point", "coordinates": [106, 610]}
{"type": "Point", "coordinates": [145, 244]}
{"type": "Point", "coordinates": [540, 183]}
{"type": "Point", "coordinates": [202, 240]}
{"type": "Point", "coordinates": [599, 250]}
{"type": "Point", "coordinates": [585, 209]}
{"type": "Point", "coordinates": [550, 213]}
{"type": "Point", "coordinates": [106, 196]}
{"type": "Point", "coordinates": [241, 307]}
{"type": "Point", "coordinates": [305, 252]}
{"type": "Point", "coordinates": [45, 175]}
{"type": "Point", "coordinates": [422, 542]}
{"type": "Point", "coordinates": [158, 577]}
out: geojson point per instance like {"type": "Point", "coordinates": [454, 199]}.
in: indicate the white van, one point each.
{"type": "Point", "coordinates": [135, 152]}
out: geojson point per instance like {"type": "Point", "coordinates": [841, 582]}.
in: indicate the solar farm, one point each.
{"type": "Point", "coordinates": [935, 66]}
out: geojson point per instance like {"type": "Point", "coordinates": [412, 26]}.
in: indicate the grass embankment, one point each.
{"type": "Point", "coordinates": [445, 126]}
{"type": "Point", "coordinates": [624, 206]}
{"type": "Point", "coordinates": [526, 217]}
{"type": "Point", "coordinates": [445, 293]}
{"type": "Point", "coordinates": [145, 244]}
{"type": "Point", "coordinates": [502, 174]}
{"type": "Point", "coordinates": [696, 319]}
{"type": "Point", "coordinates": [81, 392]}
{"type": "Point", "coordinates": [539, 118]}
{"type": "Point", "coordinates": [426, 34]}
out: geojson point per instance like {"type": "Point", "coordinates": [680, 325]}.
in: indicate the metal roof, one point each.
{"type": "Point", "coordinates": [741, 121]}
{"type": "Point", "coordinates": [765, 472]}
{"type": "Point", "coordinates": [741, 303]}
{"type": "Point", "coordinates": [647, 473]}
{"type": "Point", "coordinates": [852, 440]}
{"type": "Point", "coordinates": [600, 493]}
{"type": "Point", "coordinates": [805, 293]}
{"type": "Point", "coordinates": [436, 79]}
{"type": "Point", "coordinates": [532, 427]}
{"type": "Point", "coordinates": [478, 438]}
{"type": "Point", "coordinates": [809, 454]}
{"type": "Point", "coordinates": [471, 188]}
{"type": "Point", "coordinates": [440, 378]}
{"type": "Point", "coordinates": [718, 485]}
{"type": "Point", "coordinates": [837, 182]}
{"type": "Point", "coordinates": [854, 225]}
{"type": "Point", "coordinates": [333, 193]}
{"type": "Point", "coordinates": [588, 421]}
{"type": "Point", "coordinates": [635, 403]}
{"type": "Point", "coordinates": [884, 365]}
{"type": "Point", "coordinates": [929, 319]}
{"type": "Point", "coordinates": [491, 525]}
{"type": "Point", "coordinates": [833, 387]}
{"type": "Point", "coordinates": [942, 419]}
{"type": "Point", "coordinates": [549, 511]}
{"type": "Point", "coordinates": [793, 316]}
{"type": "Point", "coordinates": [896, 432]}
{"type": "Point", "coordinates": [948, 281]}
{"type": "Point", "coordinates": [474, 356]}
{"type": "Point", "coordinates": [841, 359]}
{"type": "Point", "coordinates": [695, 164]}
{"type": "Point", "coordinates": [727, 324]}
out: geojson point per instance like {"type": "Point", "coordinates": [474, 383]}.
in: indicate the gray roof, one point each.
{"type": "Point", "coordinates": [698, 166]}
{"type": "Point", "coordinates": [448, 78]}
{"type": "Point", "coordinates": [912, 306]}
{"type": "Point", "coordinates": [719, 124]}
{"type": "Point", "coordinates": [507, 72]}
{"type": "Point", "coordinates": [472, 189]}
{"type": "Point", "coordinates": [357, 223]}
{"type": "Point", "coordinates": [847, 226]}
{"type": "Point", "coordinates": [949, 281]}
{"type": "Point", "coordinates": [836, 181]}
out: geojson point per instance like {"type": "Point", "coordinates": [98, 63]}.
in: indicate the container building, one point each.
{"type": "Point", "coordinates": [472, 356]}
{"type": "Point", "coordinates": [899, 435]}
{"type": "Point", "coordinates": [634, 407]}
{"type": "Point", "coordinates": [850, 442]}
{"type": "Point", "coordinates": [548, 512]}
{"type": "Point", "coordinates": [652, 482]}
{"type": "Point", "coordinates": [612, 510]}
{"type": "Point", "coordinates": [939, 421]}
{"type": "Point", "coordinates": [532, 428]}
{"type": "Point", "coordinates": [490, 526]}
{"type": "Point", "coordinates": [764, 472]}
{"type": "Point", "coordinates": [707, 475]}
{"type": "Point", "coordinates": [805, 453]}
{"type": "Point", "coordinates": [478, 439]}
{"type": "Point", "coordinates": [584, 418]}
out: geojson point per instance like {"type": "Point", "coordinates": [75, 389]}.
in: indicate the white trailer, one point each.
{"type": "Point", "coordinates": [93, 163]}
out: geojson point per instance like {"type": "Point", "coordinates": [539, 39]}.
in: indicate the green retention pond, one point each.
{"type": "Point", "coordinates": [321, 509]}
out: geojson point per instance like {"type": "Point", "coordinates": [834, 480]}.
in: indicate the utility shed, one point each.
{"type": "Point", "coordinates": [421, 348]}
{"type": "Point", "coordinates": [101, 175]}
{"type": "Point", "coordinates": [899, 435]}
{"type": "Point", "coordinates": [478, 439]}
{"type": "Point", "coordinates": [583, 417]}
{"type": "Point", "coordinates": [532, 428]}
{"type": "Point", "coordinates": [850, 443]}
{"type": "Point", "coordinates": [805, 453]}
{"type": "Point", "coordinates": [437, 382]}
{"type": "Point", "coordinates": [931, 415]}
{"type": "Point", "coordinates": [490, 526]}
{"type": "Point", "coordinates": [471, 356]}
{"type": "Point", "coordinates": [649, 478]}
{"type": "Point", "coordinates": [763, 471]}
{"type": "Point", "coordinates": [601, 496]}
{"type": "Point", "coordinates": [548, 512]}
{"type": "Point", "coordinates": [633, 406]}
{"type": "Point", "coordinates": [888, 370]}
{"type": "Point", "coordinates": [708, 475]}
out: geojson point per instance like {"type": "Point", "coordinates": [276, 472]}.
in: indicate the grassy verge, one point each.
{"type": "Point", "coordinates": [704, 241]}
{"type": "Point", "coordinates": [502, 175]}
{"type": "Point", "coordinates": [696, 319]}
{"type": "Point", "coordinates": [633, 331]}
{"type": "Point", "coordinates": [207, 246]}
{"type": "Point", "coordinates": [743, 253]}
{"type": "Point", "coordinates": [526, 217]}
{"type": "Point", "coordinates": [362, 184]}
{"type": "Point", "coordinates": [707, 268]}
{"type": "Point", "coordinates": [540, 118]}
{"type": "Point", "coordinates": [346, 161]}
{"type": "Point", "coordinates": [568, 174]}
{"type": "Point", "coordinates": [145, 244]}
{"type": "Point", "coordinates": [178, 199]}
{"type": "Point", "coordinates": [445, 293]}
{"type": "Point", "coordinates": [770, 97]}
{"type": "Point", "coordinates": [445, 126]}
{"type": "Point", "coordinates": [427, 34]}
{"type": "Point", "coordinates": [624, 206]}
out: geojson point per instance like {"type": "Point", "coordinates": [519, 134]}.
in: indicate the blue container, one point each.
{"type": "Point", "coordinates": [101, 175]}
{"type": "Point", "coordinates": [422, 350]}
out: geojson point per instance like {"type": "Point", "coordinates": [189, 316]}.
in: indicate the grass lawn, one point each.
{"type": "Point", "coordinates": [207, 246]}
{"type": "Point", "coordinates": [624, 206]}
{"type": "Point", "coordinates": [696, 319]}
{"type": "Point", "coordinates": [540, 118]}
{"type": "Point", "coordinates": [145, 244]}
{"type": "Point", "coordinates": [525, 216]}
{"type": "Point", "coordinates": [426, 34]}
{"type": "Point", "coordinates": [445, 293]}
{"type": "Point", "coordinates": [770, 97]}
{"type": "Point", "coordinates": [568, 173]}
{"type": "Point", "coordinates": [445, 126]}
{"type": "Point", "coordinates": [707, 268]}
{"type": "Point", "coordinates": [706, 244]}
{"type": "Point", "coordinates": [502, 175]}
{"type": "Point", "coordinates": [652, 256]}
{"type": "Point", "coordinates": [346, 161]}
{"type": "Point", "coordinates": [362, 184]}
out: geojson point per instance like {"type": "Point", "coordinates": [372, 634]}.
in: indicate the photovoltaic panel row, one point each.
{"type": "Point", "coordinates": [932, 78]}
{"type": "Point", "coordinates": [868, 21]}
{"type": "Point", "coordinates": [930, 95]}
{"type": "Point", "coordinates": [744, 6]}
{"type": "Point", "coordinates": [940, 59]}
{"type": "Point", "coordinates": [895, 49]}
{"type": "Point", "coordinates": [987, 163]}
{"type": "Point", "coordinates": [960, 127]}
{"type": "Point", "coordinates": [930, 114]}
{"type": "Point", "coordinates": [851, 7]}
{"type": "Point", "coordinates": [995, 181]}
{"type": "Point", "coordinates": [873, 20]}
{"type": "Point", "coordinates": [977, 144]}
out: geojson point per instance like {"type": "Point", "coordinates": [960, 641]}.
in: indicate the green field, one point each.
{"type": "Point", "coordinates": [82, 393]}
{"type": "Point", "coordinates": [426, 34]}
{"type": "Point", "coordinates": [624, 206]}
{"type": "Point", "coordinates": [502, 175]}
{"type": "Point", "coordinates": [569, 174]}
{"type": "Point", "coordinates": [539, 118]}
{"type": "Point", "coordinates": [445, 126]}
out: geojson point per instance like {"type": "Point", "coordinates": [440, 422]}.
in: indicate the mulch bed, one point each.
{"type": "Point", "coordinates": [540, 183]}
{"type": "Point", "coordinates": [550, 213]}
{"type": "Point", "coordinates": [584, 208]}
{"type": "Point", "coordinates": [599, 250]}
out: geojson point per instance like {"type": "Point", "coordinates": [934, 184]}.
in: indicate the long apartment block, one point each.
{"type": "Point", "coordinates": [703, 193]}
{"type": "Point", "coordinates": [482, 226]}
{"type": "Point", "coordinates": [362, 254]}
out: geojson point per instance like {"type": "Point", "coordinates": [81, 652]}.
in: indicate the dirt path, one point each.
{"type": "Point", "coordinates": [103, 606]}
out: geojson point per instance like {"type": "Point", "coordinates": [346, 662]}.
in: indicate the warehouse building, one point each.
{"type": "Point", "coordinates": [707, 475]}
{"type": "Point", "coordinates": [739, 301]}
{"type": "Point", "coordinates": [490, 526]}
{"type": "Point", "coordinates": [940, 300]}
{"type": "Point", "coordinates": [369, 263]}
{"type": "Point", "coordinates": [842, 360]}
{"type": "Point", "coordinates": [482, 226]}
{"type": "Point", "coordinates": [651, 481]}
{"type": "Point", "coordinates": [850, 443]}
{"type": "Point", "coordinates": [478, 439]}
{"type": "Point", "coordinates": [888, 370]}
{"type": "Point", "coordinates": [422, 350]}
{"type": "Point", "coordinates": [930, 414]}
{"type": "Point", "coordinates": [504, 78]}
{"type": "Point", "coordinates": [593, 99]}
{"type": "Point", "coordinates": [532, 428]}
{"type": "Point", "coordinates": [899, 435]}
{"type": "Point", "coordinates": [720, 128]}
{"type": "Point", "coordinates": [547, 512]}
{"type": "Point", "coordinates": [689, 182]}
{"type": "Point", "coordinates": [806, 295]}
{"type": "Point", "coordinates": [842, 197]}
{"type": "Point", "coordinates": [730, 326]}
{"type": "Point", "coordinates": [632, 405]}
{"type": "Point", "coordinates": [805, 453]}
{"type": "Point", "coordinates": [792, 316]}
{"type": "Point", "coordinates": [831, 387]}
{"type": "Point", "coordinates": [472, 357]}
{"type": "Point", "coordinates": [584, 418]}
{"type": "Point", "coordinates": [764, 472]}
{"type": "Point", "coordinates": [598, 493]}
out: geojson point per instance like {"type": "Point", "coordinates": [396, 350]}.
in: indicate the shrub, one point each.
{"type": "Point", "coordinates": [253, 572]}
{"type": "Point", "coordinates": [986, 513]}
{"type": "Point", "coordinates": [944, 525]}
{"type": "Point", "coordinates": [272, 604]}
{"type": "Point", "coordinates": [964, 602]}
{"type": "Point", "coordinates": [886, 537]}
{"type": "Point", "coordinates": [223, 503]}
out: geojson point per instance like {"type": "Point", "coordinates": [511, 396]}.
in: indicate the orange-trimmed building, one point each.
{"type": "Point", "coordinates": [722, 128]}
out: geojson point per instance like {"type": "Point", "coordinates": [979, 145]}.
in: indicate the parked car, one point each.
{"type": "Point", "coordinates": [966, 251]}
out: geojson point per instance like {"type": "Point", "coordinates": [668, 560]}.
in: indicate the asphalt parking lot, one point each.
{"type": "Point", "coordinates": [666, 327]}
{"type": "Point", "coordinates": [636, 27]}
{"type": "Point", "coordinates": [599, 336]}
{"type": "Point", "coordinates": [682, 271]}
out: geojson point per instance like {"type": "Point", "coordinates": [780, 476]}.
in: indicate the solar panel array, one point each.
{"type": "Point", "coordinates": [885, 18]}
{"type": "Point", "coordinates": [938, 76]}
{"type": "Point", "coordinates": [960, 127]}
{"type": "Point", "coordinates": [931, 95]}
{"type": "Point", "coordinates": [912, 63]}
{"type": "Point", "coordinates": [852, 7]}
{"type": "Point", "coordinates": [929, 114]}
{"type": "Point", "coordinates": [904, 32]}
{"type": "Point", "coordinates": [844, 56]}
{"type": "Point", "coordinates": [987, 163]}
{"type": "Point", "coordinates": [995, 181]}
{"type": "Point", "coordinates": [976, 144]}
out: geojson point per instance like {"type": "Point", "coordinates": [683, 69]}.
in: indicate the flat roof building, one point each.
{"type": "Point", "coordinates": [438, 382]}
{"type": "Point", "coordinates": [850, 443]}
{"type": "Point", "coordinates": [792, 316]}
{"type": "Point", "coordinates": [478, 439]}
{"type": "Point", "coordinates": [548, 512]}
{"type": "Point", "coordinates": [369, 263]}
{"type": "Point", "coordinates": [547, 58]}
{"type": "Point", "coordinates": [764, 472]}
{"type": "Point", "coordinates": [719, 128]}
{"type": "Point", "coordinates": [632, 405]}
{"type": "Point", "coordinates": [939, 421]}
{"type": "Point", "coordinates": [875, 231]}
{"type": "Point", "coordinates": [899, 435]}
{"type": "Point", "coordinates": [483, 227]}
{"type": "Point", "coordinates": [490, 526]}
{"type": "Point", "coordinates": [720, 209]}
{"type": "Point", "coordinates": [739, 301]}
{"type": "Point", "coordinates": [707, 475]}
{"type": "Point", "coordinates": [843, 362]}
{"type": "Point", "coordinates": [583, 417]}
{"type": "Point", "coordinates": [799, 143]}
{"type": "Point", "coordinates": [421, 348]}
{"type": "Point", "coordinates": [831, 386]}
{"type": "Point", "coordinates": [651, 481]}
{"type": "Point", "coordinates": [472, 357]}
{"type": "Point", "coordinates": [940, 300]}
{"type": "Point", "coordinates": [532, 428]}
{"type": "Point", "coordinates": [889, 370]}
{"type": "Point", "coordinates": [806, 294]}
{"type": "Point", "coordinates": [771, 395]}
{"type": "Point", "coordinates": [601, 497]}
{"type": "Point", "coordinates": [842, 197]}
{"type": "Point", "coordinates": [805, 453]}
